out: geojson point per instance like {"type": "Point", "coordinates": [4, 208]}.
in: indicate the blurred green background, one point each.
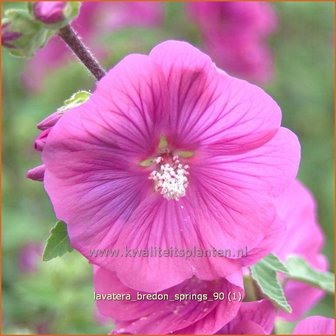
{"type": "Point", "coordinates": [56, 297]}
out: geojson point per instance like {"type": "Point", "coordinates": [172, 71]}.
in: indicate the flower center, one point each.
{"type": "Point", "coordinates": [170, 177]}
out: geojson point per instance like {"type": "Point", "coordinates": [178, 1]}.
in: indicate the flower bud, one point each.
{"type": "Point", "coordinates": [8, 36]}
{"type": "Point", "coordinates": [21, 34]}
{"type": "Point", "coordinates": [49, 12]}
{"type": "Point", "coordinates": [46, 125]}
{"type": "Point", "coordinates": [54, 14]}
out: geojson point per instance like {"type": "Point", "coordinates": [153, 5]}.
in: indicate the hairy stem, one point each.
{"type": "Point", "coordinates": [71, 38]}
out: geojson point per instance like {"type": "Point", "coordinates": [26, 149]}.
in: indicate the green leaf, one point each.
{"type": "Point", "coordinates": [72, 10]}
{"type": "Point", "coordinates": [271, 261]}
{"type": "Point", "coordinates": [57, 243]}
{"type": "Point", "coordinates": [76, 99]}
{"type": "Point", "coordinates": [299, 270]}
{"type": "Point", "coordinates": [264, 273]}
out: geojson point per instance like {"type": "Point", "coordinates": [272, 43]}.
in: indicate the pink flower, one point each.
{"type": "Point", "coordinates": [304, 238]}
{"type": "Point", "coordinates": [186, 308]}
{"type": "Point", "coordinates": [95, 18]}
{"type": "Point", "coordinates": [49, 11]}
{"type": "Point", "coordinates": [315, 325]}
{"type": "Point", "coordinates": [253, 318]}
{"type": "Point", "coordinates": [170, 152]}
{"type": "Point", "coordinates": [234, 35]}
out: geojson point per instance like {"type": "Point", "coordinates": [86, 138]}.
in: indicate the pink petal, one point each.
{"type": "Point", "coordinates": [297, 205]}
{"type": "Point", "coordinates": [208, 107]}
{"type": "Point", "coordinates": [131, 101]}
{"type": "Point", "coordinates": [269, 168]}
{"type": "Point", "coordinates": [92, 155]}
{"type": "Point", "coordinates": [301, 298]}
{"type": "Point", "coordinates": [49, 121]}
{"type": "Point", "coordinates": [41, 140]}
{"type": "Point", "coordinates": [181, 226]}
{"type": "Point", "coordinates": [232, 218]}
{"type": "Point", "coordinates": [158, 223]}
{"type": "Point", "coordinates": [315, 325]}
{"type": "Point", "coordinates": [167, 316]}
{"type": "Point", "coordinates": [256, 317]}
{"type": "Point", "coordinates": [231, 195]}
{"type": "Point", "coordinates": [37, 173]}
{"type": "Point", "coordinates": [49, 12]}
{"type": "Point", "coordinates": [253, 317]}
{"type": "Point", "coordinates": [247, 328]}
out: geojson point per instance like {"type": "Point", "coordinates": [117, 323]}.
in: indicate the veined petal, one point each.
{"type": "Point", "coordinates": [92, 174]}
{"type": "Point", "coordinates": [209, 108]}
{"type": "Point", "coordinates": [268, 169]}
{"type": "Point", "coordinates": [170, 226]}
{"type": "Point", "coordinates": [131, 102]}
{"type": "Point", "coordinates": [255, 317]}
{"type": "Point", "coordinates": [168, 316]}
{"type": "Point", "coordinates": [231, 196]}
{"type": "Point", "coordinates": [234, 219]}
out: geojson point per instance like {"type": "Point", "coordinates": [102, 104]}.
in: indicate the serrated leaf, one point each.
{"type": "Point", "coordinates": [264, 273]}
{"type": "Point", "coordinates": [300, 270]}
{"type": "Point", "coordinates": [76, 99]}
{"type": "Point", "coordinates": [57, 243]}
{"type": "Point", "coordinates": [274, 263]}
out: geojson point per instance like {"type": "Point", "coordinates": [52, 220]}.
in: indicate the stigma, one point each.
{"type": "Point", "coordinates": [170, 178]}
